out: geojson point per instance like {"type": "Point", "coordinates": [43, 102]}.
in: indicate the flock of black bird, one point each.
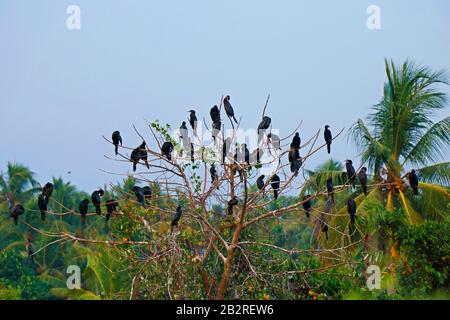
{"type": "Point", "coordinates": [241, 155]}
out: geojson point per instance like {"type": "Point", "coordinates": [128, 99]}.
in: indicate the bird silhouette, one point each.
{"type": "Point", "coordinates": [116, 139]}
{"type": "Point", "coordinates": [213, 173]}
{"type": "Point", "coordinates": [215, 114]}
{"type": "Point", "coordinates": [47, 190]}
{"type": "Point", "coordinates": [193, 121]}
{"type": "Point", "coordinates": [83, 207]}
{"type": "Point", "coordinates": [351, 209]}
{"type": "Point", "coordinates": [362, 175]}
{"type": "Point", "coordinates": [307, 205]}
{"type": "Point", "coordinates": [328, 138]}
{"type": "Point", "coordinates": [135, 157]}
{"type": "Point", "coordinates": [176, 218]}
{"type": "Point", "coordinates": [275, 183]}
{"type": "Point", "coordinates": [229, 110]}
{"type": "Point", "coordinates": [351, 173]}
{"type": "Point", "coordinates": [42, 204]}
{"type": "Point", "coordinates": [231, 204]}
{"type": "Point", "coordinates": [140, 196]}
{"type": "Point", "coordinates": [263, 126]}
{"type": "Point", "coordinates": [167, 149]}
{"type": "Point", "coordinates": [414, 181]}
{"type": "Point", "coordinates": [111, 208]}
{"type": "Point", "coordinates": [144, 154]}
{"type": "Point", "coordinates": [96, 199]}
{"type": "Point", "coordinates": [226, 149]}
{"type": "Point", "coordinates": [330, 188]}
{"type": "Point", "coordinates": [260, 182]}
{"type": "Point", "coordinates": [16, 211]}
{"type": "Point", "coordinates": [296, 141]}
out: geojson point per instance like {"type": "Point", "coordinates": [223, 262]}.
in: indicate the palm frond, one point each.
{"type": "Point", "coordinates": [437, 173]}
{"type": "Point", "coordinates": [431, 145]}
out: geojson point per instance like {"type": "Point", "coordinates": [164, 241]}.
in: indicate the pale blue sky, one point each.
{"type": "Point", "coordinates": [61, 90]}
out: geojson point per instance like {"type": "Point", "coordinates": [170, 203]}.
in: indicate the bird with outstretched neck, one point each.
{"type": "Point", "coordinates": [328, 138]}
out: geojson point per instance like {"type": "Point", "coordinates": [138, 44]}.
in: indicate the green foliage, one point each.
{"type": "Point", "coordinates": [18, 278]}
{"type": "Point", "coordinates": [427, 249]}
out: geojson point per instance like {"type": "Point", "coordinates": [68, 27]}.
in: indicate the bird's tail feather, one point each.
{"type": "Point", "coordinates": [329, 148]}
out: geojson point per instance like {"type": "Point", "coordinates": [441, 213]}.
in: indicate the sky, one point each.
{"type": "Point", "coordinates": [61, 90]}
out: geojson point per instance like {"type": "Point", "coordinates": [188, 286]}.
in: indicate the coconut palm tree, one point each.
{"type": "Point", "coordinates": [18, 182]}
{"type": "Point", "coordinates": [403, 136]}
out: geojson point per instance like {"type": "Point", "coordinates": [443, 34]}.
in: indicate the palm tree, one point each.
{"type": "Point", "coordinates": [404, 137]}
{"type": "Point", "coordinates": [18, 182]}
{"type": "Point", "coordinates": [316, 179]}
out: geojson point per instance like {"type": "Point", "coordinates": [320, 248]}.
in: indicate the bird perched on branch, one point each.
{"type": "Point", "coordinates": [176, 218]}
{"type": "Point", "coordinates": [167, 149]}
{"type": "Point", "coordinates": [295, 160]}
{"type": "Point", "coordinates": [143, 153]}
{"type": "Point", "coordinates": [213, 173]}
{"type": "Point", "coordinates": [229, 109]}
{"type": "Point", "coordinates": [140, 196]}
{"type": "Point", "coordinates": [330, 188]}
{"type": "Point", "coordinates": [231, 204]}
{"type": "Point", "coordinates": [296, 141]}
{"type": "Point", "coordinates": [351, 209]}
{"type": "Point", "coordinates": [47, 190]}
{"type": "Point", "coordinates": [260, 182]}
{"type": "Point", "coordinates": [413, 181]}
{"type": "Point", "coordinates": [96, 198]}
{"type": "Point", "coordinates": [215, 114]}
{"type": "Point", "coordinates": [328, 138]}
{"type": "Point", "coordinates": [362, 175]}
{"type": "Point", "coordinates": [245, 154]}
{"type": "Point", "coordinates": [183, 131]}
{"type": "Point", "coordinates": [351, 173]}
{"type": "Point", "coordinates": [16, 211]}
{"type": "Point", "coordinates": [116, 139]}
{"type": "Point", "coordinates": [216, 122]}
{"type": "Point", "coordinates": [135, 157]}
{"type": "Point", "coordinates": [226, 148]}
{"type": "Point", "coordinates": [193, 121]}
{"type": "Point", "coordinates": [307, 205]}
{"type": "Point", "coordinates": [83, 207]}
{"type": "Point", "coordinates": [44, 198]}
{"type": "Point", "coordinates": [263, 126]}
{"type": "Point", "coordinates": [275, 183]}
{"type": "Point", "coordinates": [111, 207]}
{"type": "Point", "coordinates": [43, 205]}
